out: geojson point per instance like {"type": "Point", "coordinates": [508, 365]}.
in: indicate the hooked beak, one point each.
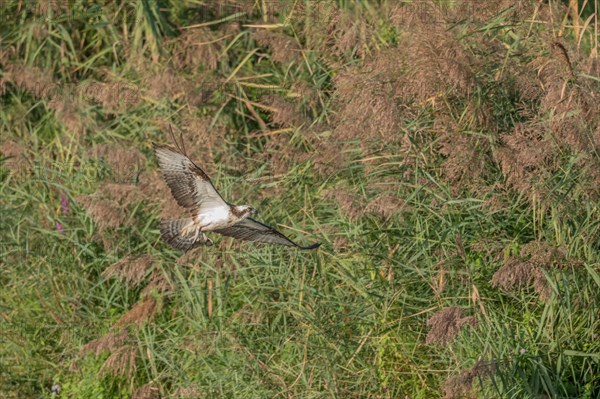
{"type": "Point", "coordinates": [253, 211]}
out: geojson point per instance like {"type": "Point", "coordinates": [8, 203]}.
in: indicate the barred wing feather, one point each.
{"type": "Point", "coordinates": [252, 230]}
{"type": "Point", "coordinates": [190, 186]}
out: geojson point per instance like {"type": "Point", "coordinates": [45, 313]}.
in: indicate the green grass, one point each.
{"type": "Point", "coordinates": [239, 320]}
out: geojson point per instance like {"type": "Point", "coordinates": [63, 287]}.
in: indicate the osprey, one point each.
{"type": "Point", "coordinates": [193, 190]}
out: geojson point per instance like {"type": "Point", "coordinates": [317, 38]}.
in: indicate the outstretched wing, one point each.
{"type": "Point", "coordinates": [190, 186]}
{"type": "Point", "coordinates": [252, 230]}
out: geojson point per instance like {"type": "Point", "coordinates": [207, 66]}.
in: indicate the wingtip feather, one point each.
{"type": "Point", "coordinates": [313, 246]}
{"type": "Point", "coordinates": [157, 147]}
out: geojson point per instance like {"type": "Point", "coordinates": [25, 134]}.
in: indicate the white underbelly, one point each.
{"type": "Point", "coordinates": [215, 218]}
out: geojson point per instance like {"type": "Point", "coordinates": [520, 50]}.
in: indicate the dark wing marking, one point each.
{"type": "Point", "coordinates": [252, 230]}
{"type": "Point", "coordinates": [190, 186]}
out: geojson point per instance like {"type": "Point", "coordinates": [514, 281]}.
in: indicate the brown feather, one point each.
{"type": "Point", "coordinates": [252, 230]}
{"type": "Point", "coordinates": [189, 184]}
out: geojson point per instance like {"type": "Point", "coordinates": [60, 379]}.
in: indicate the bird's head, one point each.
{"type": "Point", "coordinates": [243, 211]}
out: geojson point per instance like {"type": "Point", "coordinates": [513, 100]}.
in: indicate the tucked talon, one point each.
{"type": "Point", "coordinates": [186, 230]}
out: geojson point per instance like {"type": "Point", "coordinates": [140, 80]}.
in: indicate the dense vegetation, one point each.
{"type": "Point", "coordinates": [446, 154]}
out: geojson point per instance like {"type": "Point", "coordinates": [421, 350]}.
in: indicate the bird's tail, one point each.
{"type": "Point", "coordinates": [171, 232]}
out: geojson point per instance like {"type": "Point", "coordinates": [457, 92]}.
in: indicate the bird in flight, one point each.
{"type": "Point", "coordinates": [193, 190]}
